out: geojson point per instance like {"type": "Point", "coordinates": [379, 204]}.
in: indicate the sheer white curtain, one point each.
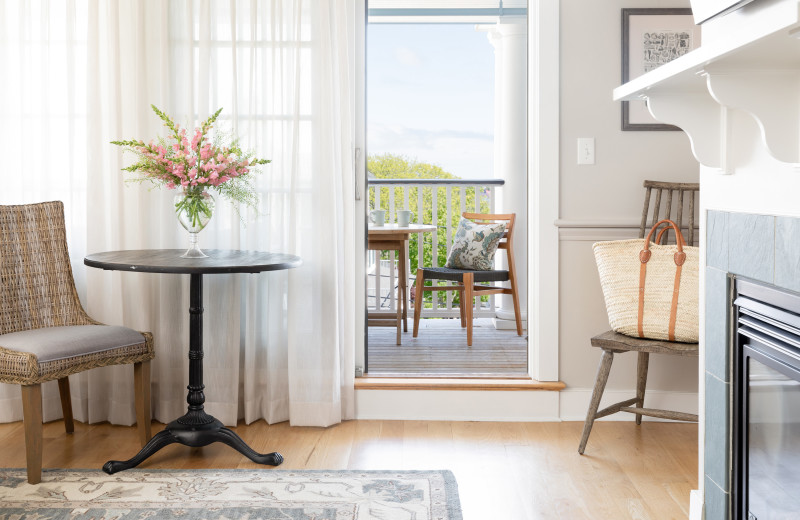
{"type": "Point", "coordinates": [278, 345]}
{"type": "Point", "coordinates": [43, 130]}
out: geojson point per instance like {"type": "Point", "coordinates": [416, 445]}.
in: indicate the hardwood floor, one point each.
{"type": "Point", "coordinates": [505, 471]}
{"type": "Point", "coordinates": [440, 349]}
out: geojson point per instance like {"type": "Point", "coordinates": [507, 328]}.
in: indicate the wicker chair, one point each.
{"type": "Point", "coordinates": [466, 279]}
{"type": "Point", "coordinates": [45, 334]}
{"type": "Point", "coordinates": [678, 206]}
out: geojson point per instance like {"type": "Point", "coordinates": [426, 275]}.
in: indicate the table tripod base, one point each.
{"type": "Point", "coordinates": [194, 436]}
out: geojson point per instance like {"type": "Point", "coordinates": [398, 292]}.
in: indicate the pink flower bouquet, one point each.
{"type": "Point", "coordinates": [195, 163]}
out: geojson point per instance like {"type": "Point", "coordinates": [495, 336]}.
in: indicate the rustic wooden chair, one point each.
{"type": "Point", "coordinates": [679, 206]}
{"type": "Point", "coordinates": [45, 334]}
{"type": "Point", "coordinates": [466, 279]}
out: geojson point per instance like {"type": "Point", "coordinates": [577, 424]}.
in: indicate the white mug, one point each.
{"type": "Point", "coordinates": [378, 216]}
{"type": "Point", "coordinates": [403, 217]}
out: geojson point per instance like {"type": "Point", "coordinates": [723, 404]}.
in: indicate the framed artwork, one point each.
{"type": "Point", "coordinates": [651, 38]}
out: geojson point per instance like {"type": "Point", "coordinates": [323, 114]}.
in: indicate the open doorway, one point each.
{"type": "Point", "coordinates": [446, 134]}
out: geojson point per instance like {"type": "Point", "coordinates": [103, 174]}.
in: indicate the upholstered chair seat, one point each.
{"type": "Point", "coordinates": [34, 356]}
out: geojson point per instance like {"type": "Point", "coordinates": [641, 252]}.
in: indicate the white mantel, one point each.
{"type": "Point", "coordinates": [750, 62]}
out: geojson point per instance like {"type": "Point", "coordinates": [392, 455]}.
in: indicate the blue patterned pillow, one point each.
{"type": "Point", "coordinates": [474, 245]}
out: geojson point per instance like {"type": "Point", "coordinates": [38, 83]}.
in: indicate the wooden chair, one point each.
{"type": "Point", "coordinates": [45, 334]}
{"type": "Point", "coordinates": [466, 278]}
{"type": "Point", "coordinates": [679, 206]}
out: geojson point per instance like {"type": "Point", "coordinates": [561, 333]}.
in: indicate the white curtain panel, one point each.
{"type": "Point", "coordinates": [278, 345]}
{"type": "Point", "coordinates": [43, 128]}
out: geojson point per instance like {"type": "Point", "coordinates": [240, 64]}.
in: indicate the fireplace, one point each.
{"type": "Point", "coordinates": [766, 418]}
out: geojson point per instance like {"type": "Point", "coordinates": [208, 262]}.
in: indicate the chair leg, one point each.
{"type": "Point", "coordinates": [462, 309]}
{"type": "Point", "coordinates": [517, 312]}
{"type": "Point", "coordinates": [469, 282]}
{"type": "Point", "coordinates": [32, 420]}
{"type": "Point", "coordinates": [66, 404]}
{"type": "Point", "coordinates": [399, 324]}
{"type": "Point", "coordinates": [641, 381]}
{"type": "Point", "coordinates": [403, 263]}
{"type": "Point", "coordinates": [597, 394]}
{"type": "Point", "coordinates": [418, 301]}
{"type": "Point", "coordinates": [141, 388]}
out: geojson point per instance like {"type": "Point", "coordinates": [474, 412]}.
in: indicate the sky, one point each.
{"type": "Point", "coordinates": [430, 95]}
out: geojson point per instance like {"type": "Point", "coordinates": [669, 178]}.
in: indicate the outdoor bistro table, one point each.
{"type": "Point", "coordinates": [196, 428]}
{"type": "Point", "coordinates": [392, 237]}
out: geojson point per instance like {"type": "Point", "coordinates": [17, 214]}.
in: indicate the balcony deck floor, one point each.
{"type": "Point", "coordinates": [440, 349]}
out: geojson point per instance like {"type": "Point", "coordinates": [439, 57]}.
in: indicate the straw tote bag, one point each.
{"type": "Point", "coordinates": [651, 290]}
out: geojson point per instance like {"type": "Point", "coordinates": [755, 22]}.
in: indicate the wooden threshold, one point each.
{"type": "Point", "coordinates": [427, 383]}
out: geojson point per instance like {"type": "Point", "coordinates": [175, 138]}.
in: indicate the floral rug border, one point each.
{"type": "Point", "coordinates": [231, 493]}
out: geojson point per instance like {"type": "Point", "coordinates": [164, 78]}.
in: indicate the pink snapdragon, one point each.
{"type": "Point", "coordinates": [188, 158]}
{"type": "Point", "coordinates": [198, 134]}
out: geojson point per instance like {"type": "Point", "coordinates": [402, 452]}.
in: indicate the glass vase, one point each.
{"type": "Point", "coordinates": [194, 207]}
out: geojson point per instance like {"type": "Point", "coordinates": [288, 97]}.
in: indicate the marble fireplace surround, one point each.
{"type": "Point", "coordinates": [762, 247]}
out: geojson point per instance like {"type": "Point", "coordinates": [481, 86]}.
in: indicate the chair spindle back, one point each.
{"type": "Point", "coordinates": [679, 206]}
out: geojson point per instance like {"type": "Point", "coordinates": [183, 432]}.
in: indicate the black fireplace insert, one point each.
{"type": "Point", "coordinates": [766, 409]}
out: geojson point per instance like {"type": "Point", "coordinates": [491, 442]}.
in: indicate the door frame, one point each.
{"type": "Point", "coordinates": [543, 186]}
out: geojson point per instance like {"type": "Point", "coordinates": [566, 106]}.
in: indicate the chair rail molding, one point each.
{"type": "Point", "coordinates": [752, 67]}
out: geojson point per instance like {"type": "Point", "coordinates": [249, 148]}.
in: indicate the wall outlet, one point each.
{"type": "Point", "coordinates": [586, 150]}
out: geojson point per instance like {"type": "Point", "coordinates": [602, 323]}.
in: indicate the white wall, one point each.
{"type": "Point", "coordinates": [610, 191]}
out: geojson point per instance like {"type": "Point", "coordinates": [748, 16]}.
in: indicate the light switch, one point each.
{"type": "Point", "coordinates": [586, 150]}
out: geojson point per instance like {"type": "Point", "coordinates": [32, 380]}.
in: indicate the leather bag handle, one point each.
{"type": "Point", "coordinates": [679, 257]}
{"type": "Point", "coordinates": [661, 235]}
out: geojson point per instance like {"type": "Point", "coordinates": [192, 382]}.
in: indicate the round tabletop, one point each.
{"type": "Point", "coordinates": [393, 229]}
{"type": "Point", "coordinates": [170, 261]}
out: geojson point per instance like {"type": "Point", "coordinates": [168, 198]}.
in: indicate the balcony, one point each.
{"type": "Point", "coordinates": [440, 348]}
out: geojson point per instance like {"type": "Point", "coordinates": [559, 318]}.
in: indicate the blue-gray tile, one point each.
{"type": "Point", "coordinates": [717, 239]}
{"type": "Point", "coordinates": [717, 431]}
{"type": "Point", "coordinates": [751, 246]}
{"type": "Point", "coordinates": [717, 502]}
{"type": "Point", "coordinates": [787, 252]}
{"type": "Point", "coordinates": [716, 345]}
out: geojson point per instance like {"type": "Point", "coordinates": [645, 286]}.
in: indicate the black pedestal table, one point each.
{"type": "Point", "coordinates": [196, 427]}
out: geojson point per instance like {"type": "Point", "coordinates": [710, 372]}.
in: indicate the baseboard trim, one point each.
{"type": "Point", "coordinates": [501, 404]}
{"type": "Point", "coordinates": [468, 384]}
{"type": "Point", "coordinates": [695, 505]}
{"type": "Point", "coordinates": [457, 405]}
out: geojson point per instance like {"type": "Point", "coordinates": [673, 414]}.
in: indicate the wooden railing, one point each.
{"type": "Point", "coordinates": [431, 201]}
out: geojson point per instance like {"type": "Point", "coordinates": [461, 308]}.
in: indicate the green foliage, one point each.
{"type": "Point", "coordinates": [389, 166]}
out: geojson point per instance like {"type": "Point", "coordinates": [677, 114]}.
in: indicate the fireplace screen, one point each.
{"type": "Point", "coordinates": [767, 383]}
{"type": "Point", "coordinates": [773, 433]}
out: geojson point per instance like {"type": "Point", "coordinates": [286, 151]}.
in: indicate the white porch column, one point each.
{"type": "Point", "coordinates": [509, 38]}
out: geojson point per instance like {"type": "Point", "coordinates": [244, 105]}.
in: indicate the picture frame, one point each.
{"type": "Point", "coordinates": [650, 38]}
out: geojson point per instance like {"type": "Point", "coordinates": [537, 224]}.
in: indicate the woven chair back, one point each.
{"type": "Point", "coordinates": [36, 284]}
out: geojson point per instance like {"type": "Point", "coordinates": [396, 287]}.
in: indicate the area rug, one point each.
{"type": "Point", "coordinates": [230, 494]}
